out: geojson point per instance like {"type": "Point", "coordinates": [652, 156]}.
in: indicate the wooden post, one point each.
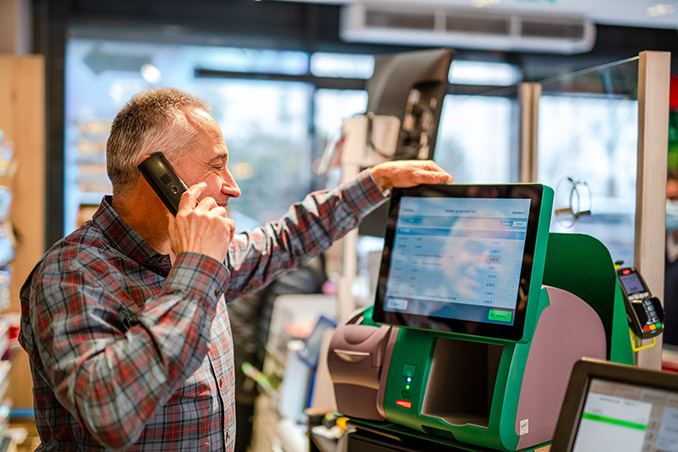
{"type": "Point", "coordinates": [654, 73]}
{"type": "Point", "coordinates": [529, 131]}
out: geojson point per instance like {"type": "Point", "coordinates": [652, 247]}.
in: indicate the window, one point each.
{"type": "Point", "coordinates": [268, 123]}
{"type": "Point", "coordinates": [277, 110]}
{"type": "Point", "coordinates": [475, 139]}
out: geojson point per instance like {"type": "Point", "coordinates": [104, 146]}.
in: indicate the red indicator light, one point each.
{"type": "Point", "coordinates": [646, 328]}
{"type": "Point", "coordinates": [626, 272]}
{"type": "Point", "coordinates": [404, 403]}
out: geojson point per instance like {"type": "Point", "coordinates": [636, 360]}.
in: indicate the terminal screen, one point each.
{"type": "Point", "coordinates": [631, 283]}
{"type": "Point", "coordinates": [627, 418]}
{"type": "Point", "coordinates": [458, 258]}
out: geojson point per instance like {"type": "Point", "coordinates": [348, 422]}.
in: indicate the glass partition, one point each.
{"type": "Point", "coordinates": [587, 151]}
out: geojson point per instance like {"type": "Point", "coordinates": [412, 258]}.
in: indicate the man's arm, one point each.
{"type": "Point", "coordinates": [111, 373]}
{"type": "Point", "coordinates": [311, 226]}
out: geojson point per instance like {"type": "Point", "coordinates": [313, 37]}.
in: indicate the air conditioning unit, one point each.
{"type": "Point", "coordinates": [465, 28]}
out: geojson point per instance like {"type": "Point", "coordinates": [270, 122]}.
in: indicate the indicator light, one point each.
{"type": "Point", "coordinates": [404, 403]}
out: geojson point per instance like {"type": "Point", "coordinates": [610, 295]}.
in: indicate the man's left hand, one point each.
{"type": "Point", "coordinates": [408, 173]}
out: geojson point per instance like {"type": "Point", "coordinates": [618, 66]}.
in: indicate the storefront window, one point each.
{"type": "Point", "coordinates": [265, 122]}
{"type": "Point", "coordinates": [275, 129]}
{"type": "Point", "coordinates": [484, 73]}
{"type": "Point", "coordinates": [341, 65]}
{"type": "Point", "coordinates": [475, 140]}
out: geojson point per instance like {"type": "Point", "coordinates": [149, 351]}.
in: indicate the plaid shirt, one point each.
{"type": "Point", "coordinates": [128, 351]}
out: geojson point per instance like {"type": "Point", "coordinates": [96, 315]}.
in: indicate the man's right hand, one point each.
{"type": "Point", "coordinates": [200, 227]}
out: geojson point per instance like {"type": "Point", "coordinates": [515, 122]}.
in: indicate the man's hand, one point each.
{"type": "Point", "coordinates": [408, 173]}
{"type": "Point", "coordinates": [203, 228]}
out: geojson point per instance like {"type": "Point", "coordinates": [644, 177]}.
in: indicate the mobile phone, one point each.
{"type": "Point", "coordinates": [160, 175]}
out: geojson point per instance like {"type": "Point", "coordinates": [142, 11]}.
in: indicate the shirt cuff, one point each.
{"type": "Point", "coordinates": [362, 193]}
{"type": "Point", "coordinates": [198, 276]}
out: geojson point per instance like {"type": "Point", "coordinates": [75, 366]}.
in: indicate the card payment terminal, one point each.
{"type": "Point", "coordinates": [645, 312]}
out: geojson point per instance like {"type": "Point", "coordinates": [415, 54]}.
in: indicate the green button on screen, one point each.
{"type": "Point", "coordinates": [500, 316]}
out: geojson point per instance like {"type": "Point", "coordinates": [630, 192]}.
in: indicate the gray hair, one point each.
{"type": "Point", "coordinates": [153, 120]}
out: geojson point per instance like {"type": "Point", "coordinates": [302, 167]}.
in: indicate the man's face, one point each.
{"type": "Point", "coordinates": [672, 190]}
{"type": "Point", "coordinates": [469, 257]}
{"type": "Point", "coordinates": [207, 161]}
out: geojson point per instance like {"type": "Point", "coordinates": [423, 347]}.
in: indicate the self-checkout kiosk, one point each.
{"type": "Point", "coordinates": [479, 317]}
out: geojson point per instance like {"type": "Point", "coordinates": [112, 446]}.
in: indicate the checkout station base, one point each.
{"type": "Point", "coordinates": [422, 390]}
{"type": "Point", "coordinates": [362, 436]}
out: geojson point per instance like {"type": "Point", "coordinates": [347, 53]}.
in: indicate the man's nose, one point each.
{"type": "Point", "coordinates": [229, 186]}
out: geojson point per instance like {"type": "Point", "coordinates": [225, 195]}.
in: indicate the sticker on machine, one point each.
{"type": "Point", "coordinates": [524, 427]}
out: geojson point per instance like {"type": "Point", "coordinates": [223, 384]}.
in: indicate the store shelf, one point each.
{"type": "Point", "coordinates": [22, 113]}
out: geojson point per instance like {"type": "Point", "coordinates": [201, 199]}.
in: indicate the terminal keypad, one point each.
{"type": "Point", "coordinates": [650, 315]}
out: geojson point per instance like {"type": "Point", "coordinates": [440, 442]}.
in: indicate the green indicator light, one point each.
{"type": "Point", "coordinates": [407, 387]}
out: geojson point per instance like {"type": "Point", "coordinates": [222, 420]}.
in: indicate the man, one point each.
{"type": "Point", "coordinates": [125, 320]}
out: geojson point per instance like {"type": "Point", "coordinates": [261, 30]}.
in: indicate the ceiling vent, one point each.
{"type": "Point", "coordinates": [465, 28]}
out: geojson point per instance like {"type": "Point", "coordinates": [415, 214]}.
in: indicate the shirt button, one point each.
{"type": "Point", "coordinates": [221, 382]}
{"type": "Point", "coordinates": [216, 293]}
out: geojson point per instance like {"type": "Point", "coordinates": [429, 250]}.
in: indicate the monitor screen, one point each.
{"type": "Point", "coordinates": [624, 417]}
{"type": "Point", "coordinates": [618, 407]}
{"type": "Point", "coordinates": [458, 258]}
{"type": "Point", "coordinates": [631, 283]}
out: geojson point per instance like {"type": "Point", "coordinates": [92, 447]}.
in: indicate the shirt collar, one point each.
{"type": "Point", "coordinates": [126, 240]}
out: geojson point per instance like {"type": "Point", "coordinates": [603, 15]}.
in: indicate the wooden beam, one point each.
{"type": "Point", "coordinates": [653, 131]}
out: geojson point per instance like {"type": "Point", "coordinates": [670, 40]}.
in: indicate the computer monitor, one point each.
{"type": "Point", "coordinates": [618, 408]}
{"type": "Point", "coordinates": [410, 86]}
{"type": "Point", "coordinates": [459, 259]}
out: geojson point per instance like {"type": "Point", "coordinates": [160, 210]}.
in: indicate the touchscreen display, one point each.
{"type": "Point", "coordinates": [458, 258]}
{"type": "Point", "coordinates": [631, 283]}
{"type": "Point", "coordinates": [627, 418]}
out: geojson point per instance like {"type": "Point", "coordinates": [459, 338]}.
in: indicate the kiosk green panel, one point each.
{"type": "Point", "coordinates": [583, 266]}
